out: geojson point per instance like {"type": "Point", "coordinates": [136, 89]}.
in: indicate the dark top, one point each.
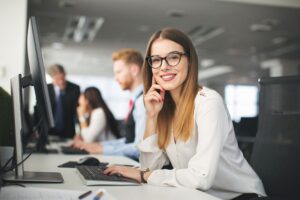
{"type": "Point", "coordinates": [70, 102]}
{"type": "Point", "coordinates": [129, 125]}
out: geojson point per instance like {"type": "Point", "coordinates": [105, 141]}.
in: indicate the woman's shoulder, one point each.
{"type": "Point", "coordinates": [206, 93]}
{"type": "Point", "coordinates": [98, 111]}
{"type": "Point", "coordinates": [207, 99]}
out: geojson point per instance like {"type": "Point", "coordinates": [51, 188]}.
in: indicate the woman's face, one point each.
{"type": "Point", "coordinates": [169, 77]}
{"type": "Point", "coordinates": [83, 101]}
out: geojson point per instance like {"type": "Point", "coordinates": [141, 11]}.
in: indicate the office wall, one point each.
{"type": "Point", "coordinates": [13, 15]}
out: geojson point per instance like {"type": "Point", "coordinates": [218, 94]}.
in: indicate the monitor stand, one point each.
{"type": "Point", "coordinates": [34, 177]}
{"type": "Point", "coordinates": [20, 175]}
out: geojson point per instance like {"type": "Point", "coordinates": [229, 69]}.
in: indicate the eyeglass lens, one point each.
{"type": "Point", "coordinates": [172, 59]}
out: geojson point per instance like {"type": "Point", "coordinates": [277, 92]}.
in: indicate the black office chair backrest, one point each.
{"type": "Point", "coordinates": [247, 126]}
{"type": "Point", "coordinates": [276, 152]}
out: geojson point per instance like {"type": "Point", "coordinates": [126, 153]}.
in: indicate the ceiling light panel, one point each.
{"type": "Point", "coordinates": [82, 28]}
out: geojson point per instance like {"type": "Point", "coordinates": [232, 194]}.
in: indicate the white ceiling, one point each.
{"type": "Point", "coordinates": [246, 34]}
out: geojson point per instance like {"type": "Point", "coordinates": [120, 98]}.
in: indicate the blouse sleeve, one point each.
{"type": "Point", "coordinates": [151, 156]}
{"type": "Point", "coordinates": [212, 128]}
{"type": "Point", "coordinates": [96, 126]}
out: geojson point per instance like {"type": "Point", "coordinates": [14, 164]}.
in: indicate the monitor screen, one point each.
{"type": "Point", "coordinates": [38, 74]}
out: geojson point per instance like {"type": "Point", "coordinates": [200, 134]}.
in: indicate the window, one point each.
{"type": "Point", "coordinates": [242, 101]}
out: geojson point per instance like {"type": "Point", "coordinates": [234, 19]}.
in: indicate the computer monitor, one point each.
{"type": "Point", "coordinates": [38, 80]}
{"type": "Point", "coordinates": [37, 71]}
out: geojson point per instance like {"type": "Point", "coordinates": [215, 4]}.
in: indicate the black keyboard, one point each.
{"type": "Point", "coordinates": [95, 173]}
{"type": "Point", "coordinates": [45, 150]}
{"type": "Point", "coordinates": [72, 150]}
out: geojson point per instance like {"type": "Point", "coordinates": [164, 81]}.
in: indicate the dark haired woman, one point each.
{"type": "Point", "coordinates": [97, 122]}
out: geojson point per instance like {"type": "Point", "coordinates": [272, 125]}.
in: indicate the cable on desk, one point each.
{"type": "Point", "coordinates": [2, 169]}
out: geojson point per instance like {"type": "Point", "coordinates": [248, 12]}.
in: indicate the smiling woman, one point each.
{"type": "Point", "coordinates": [187, 126]}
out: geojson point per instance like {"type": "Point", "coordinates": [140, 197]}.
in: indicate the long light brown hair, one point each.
{"type": "Point", "coordinates": [185, 108]}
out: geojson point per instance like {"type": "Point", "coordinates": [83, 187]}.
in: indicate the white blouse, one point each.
{"type": "Point", "coordinates": [96, 132]}
{"type": "Point", "coordinates": [210, 160]}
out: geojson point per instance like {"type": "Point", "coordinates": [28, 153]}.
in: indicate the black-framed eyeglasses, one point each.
{"type": "Point", "coordinates": [172, 59]}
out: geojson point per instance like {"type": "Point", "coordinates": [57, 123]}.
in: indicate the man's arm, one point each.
{"type": "Point", "coordinates": [129, 149]}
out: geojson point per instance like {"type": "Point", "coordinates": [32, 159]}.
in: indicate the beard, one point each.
{"type": "Point", "coordinates": [126, 84]}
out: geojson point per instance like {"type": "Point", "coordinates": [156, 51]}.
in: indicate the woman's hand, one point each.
{"type": "Point", "coordinates": [83, 105]}
{"type": "Point", "coordinates": [77, 141]}
{"type": "Point", "coordinates": [128, 172]}
{"type": "Point", "coordinates": [92, 148]}
{"type": "Point", "coordinates": [154, 99]}
{"type": "Point", "coordinates": [77, 138]}
{"type": "Point", "coordinates": [81, 110]}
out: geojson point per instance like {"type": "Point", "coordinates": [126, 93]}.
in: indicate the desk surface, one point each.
{"type": "Point", "coordinates": [49, 163]}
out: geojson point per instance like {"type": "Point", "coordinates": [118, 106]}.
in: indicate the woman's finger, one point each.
{"type": "Point", "coordinates": [156, 95]}
{"type": "Point", "coordinates": [153, 97]}
{"type": "Point", "coordinates": [153, 80]}
{"type": "Point", "coordinates": [108, 170]}
{"type": "Point", "coordinates": [155, 88]}
{"type": "Point", "coordinates": [113, 170]}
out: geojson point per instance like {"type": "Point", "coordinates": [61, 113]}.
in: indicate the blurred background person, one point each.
{"type": "Point", "coordinates": [97, 122]}
{"type": "Point", "coordinates": [64, 100]}
{"type": "Point", "coordinates": [127, 66]}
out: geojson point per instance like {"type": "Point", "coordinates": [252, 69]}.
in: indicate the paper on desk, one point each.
{"type": "Point", "coordinates": [29, 193]}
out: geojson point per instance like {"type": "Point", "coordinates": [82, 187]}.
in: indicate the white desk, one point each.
{"type": "Point", "coordinates": [49, 163]}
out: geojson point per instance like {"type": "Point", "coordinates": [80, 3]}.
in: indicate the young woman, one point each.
{"type": "Point", "coordinates": [97, 122]}
{"type": "Point", "coordinates": [187, 126]}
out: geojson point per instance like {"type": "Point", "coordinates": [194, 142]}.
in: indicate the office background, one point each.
{"type": "Point", "coordinates": [237, 42]}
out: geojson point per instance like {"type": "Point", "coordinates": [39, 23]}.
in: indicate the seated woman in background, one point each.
{"type": "Point", "coordinates": [188, 126]}
{"type": "Point", "coordinates": [97, 122]}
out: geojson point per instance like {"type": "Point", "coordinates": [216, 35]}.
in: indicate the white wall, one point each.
{"type": "Point", "coordinates": [12, 39]}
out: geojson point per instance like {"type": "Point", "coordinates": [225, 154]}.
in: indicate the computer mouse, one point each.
{"type": "Point", "coordinates": [91, 161]}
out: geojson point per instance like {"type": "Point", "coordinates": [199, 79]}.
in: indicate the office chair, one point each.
{"type": "Point", "coordinates": [276, 152]}
{"type": "Point", "coordinates": [245, 132]}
